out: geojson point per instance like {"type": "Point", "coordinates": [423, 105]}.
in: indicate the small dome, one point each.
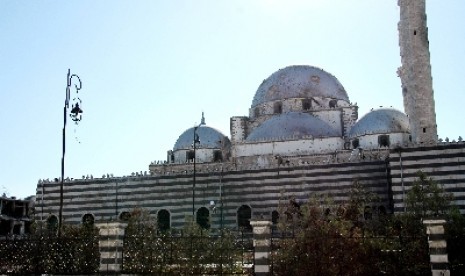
{"type": "Point", "coordinates": [381, 121]}
{"type": "Point", "coordinates": [299, 81]}
{"type": "Point", "coordinates": [209, 137]}
{"type": "Point", "coordinates": [291, 125]}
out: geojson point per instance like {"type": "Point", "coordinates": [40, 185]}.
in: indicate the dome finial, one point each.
{"type": "Point", "coordinates": [202, 122]}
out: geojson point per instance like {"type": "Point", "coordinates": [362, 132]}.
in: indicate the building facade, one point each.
{"type": "Point", "coordinates": [302, 138]}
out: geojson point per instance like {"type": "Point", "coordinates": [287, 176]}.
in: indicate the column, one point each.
{"type": "Point", "coordinates": [262, 245]}
{"type": "Point", "coordinates": [111, 236]}
{"type": "Point", "coordinates": [437, 247]}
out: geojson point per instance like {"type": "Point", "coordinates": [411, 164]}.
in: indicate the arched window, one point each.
{"type": "Point", "coordinates": [382, 210]}
{"type": "Point", "coordinates": [88, 219]}
{"type": "Point", "coordinates": [333, 103]}
{"type": "Point", "coordinates": [52, 223]}
{"type": "Point", "coordinates": [163, 220]}
{"type": "Point", "coordinates": [275, 217]}
{"type": "Point", "coordinates": [244, 214]}
{"type": "Point", "coordinates": [203, 218]}
{"type": "Point", "coordinates": [368, 214]}
{"type": "Point", "coordinates": [125, 216]}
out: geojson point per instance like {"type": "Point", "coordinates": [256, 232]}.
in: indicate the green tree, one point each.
{"type": "Point", "coordinates": [426, 199]}
{"type": "Point", "coordinates": [192, 250]}
{"type": "Point", "coordinates": [326, 239]}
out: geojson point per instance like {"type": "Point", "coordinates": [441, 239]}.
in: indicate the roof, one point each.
{"type": "Point", "coordinates": [208, 137]}
{"type": "Point", "coordinates": [299, 81]}
{"type": "Point", "coordinates": [381, 121]}
{"type": "Point", "coordinates": [293, 125]}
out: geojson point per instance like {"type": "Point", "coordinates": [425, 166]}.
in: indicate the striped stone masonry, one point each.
{"type": "Point", "coordinates": [111, 246]}
{"type": "Point", "coordinates": [262, 245]}
{"type": "Point", "coordinates": [444, 163]}
{"type": "Point", "coordinates": [437, 247]}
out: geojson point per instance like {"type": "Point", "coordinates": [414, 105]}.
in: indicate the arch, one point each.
{"type": "Point", "coordinates": [203, 218]}
{"type": "Point", "coordinates": [125, 216]}
{"type": "Point", "coordinates": [52, 223]}
{"type": "Point", "coordinates": [333, 103]}
{"type": "Point", "coordinates": [275, 217]}
{"type": "Point", "coordinates": [244, 214]}
{"type": "Point", "coordinates": [368, 214]}
{"type": "Point", "coordinates": [163, 220]}
{"type": "Point", "coordinates": [382, 210]}
{"type": "Point", "coordinates": [88, 219]}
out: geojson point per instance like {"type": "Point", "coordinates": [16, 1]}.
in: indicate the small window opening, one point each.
{"type": "Point", "coordinates": [333, 103]}
{"type": "Point", "coordinates": [415, 32]}
{"type": "Point", "coordinates": [278, 108]}
{"type": "Point", "coordinates": [410, 138]}
{"type": "Point", "coordinates": [355, 143]}
{"type": "Point", "coordinates": [424, 130]}
{"type": "Point", "coordinates": [383, 141]}
{"type": "Point", "coordinates": [256, 112]}
{"type": "Point", "coordinates": [190, 155]}
{"type": "Point", "coordinates": [217, 156]}
{"type": "Point", "coordinates": [306, 104]}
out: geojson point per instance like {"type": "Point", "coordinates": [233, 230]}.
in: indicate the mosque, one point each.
{"type": "Point", "coordinates": [302, 138]}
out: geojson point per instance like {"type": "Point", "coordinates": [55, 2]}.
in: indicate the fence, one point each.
{"type": "Point", "coordinates": [35, 255]}
{"type": "Point", "coordinates": [178, 254]}
{"type": "Point", "coordinates": [231, 253]}
{"type": "Point", "coordinates": [340, 255]}
{"type": "Point", "coordinates": [363, 255]}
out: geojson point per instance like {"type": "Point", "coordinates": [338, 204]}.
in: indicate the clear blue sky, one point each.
{"type": "Point", "coordinates": [149, 68]}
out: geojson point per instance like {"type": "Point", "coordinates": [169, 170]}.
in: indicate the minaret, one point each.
{"type": "Point", "coordinates": [415, 72]}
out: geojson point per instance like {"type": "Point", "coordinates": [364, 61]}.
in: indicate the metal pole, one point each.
{"type": "Point", "coordinates": [193, 184]}
{"type": "Point", "coordinates": [402, 179]}
{"type": "Point", "coordinates": [60, 214]}
{"type": "Point", "coordinates": [76, 111]}
{"type": "Point", "coordinates": [221, 199]}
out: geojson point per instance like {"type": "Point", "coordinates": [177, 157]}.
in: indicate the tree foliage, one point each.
{"type": "Point", "coordinates": [347, 239]}
{"type": "Point", "coordinates": [191, 250]}
{"type": "Point", "coordinates": [43, 252]}
{"type": "Point", "coordinates": [427, 199]}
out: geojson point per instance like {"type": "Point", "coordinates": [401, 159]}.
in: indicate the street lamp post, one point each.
{"type": "Point", "coordinates": [213, 203]}
{"type": "Point", "coordinates": [75, 115]}
{"type": "Point", "coordinates": [195, 142]}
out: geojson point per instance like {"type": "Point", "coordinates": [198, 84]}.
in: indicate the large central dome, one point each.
{"type": "Point", "coordinates": [299, 81]}
{"type": "Point", "coordinates": [291, 126]}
